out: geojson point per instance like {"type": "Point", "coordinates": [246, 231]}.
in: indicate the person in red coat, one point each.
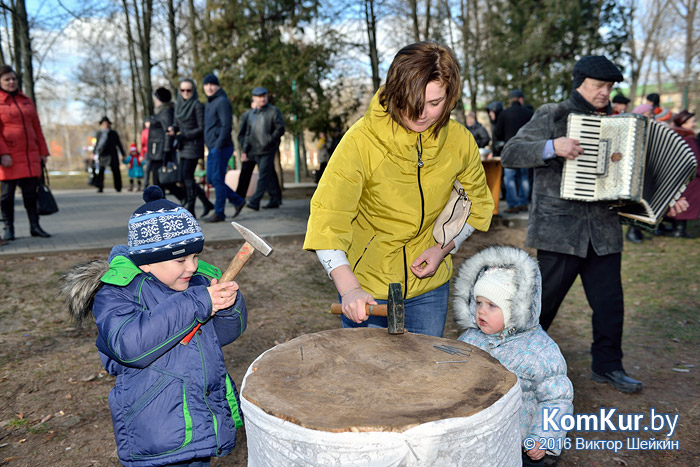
{"type": "Point", "coordinates": [23, 150]}
{"type": "Point", "coordinates": [685, 127]}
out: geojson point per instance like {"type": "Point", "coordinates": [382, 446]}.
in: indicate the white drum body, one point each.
{"type": "Point", "coordinates": [489, 437]}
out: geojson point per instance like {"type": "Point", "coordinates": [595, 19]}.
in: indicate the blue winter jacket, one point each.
{"type": "Point", "coordinates": [171, 402]}
{"type": "Point", "coordinates": [523, 347]}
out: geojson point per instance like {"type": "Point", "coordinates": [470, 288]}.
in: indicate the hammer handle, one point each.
{"type": "Point", "coordinates": [231, 272]}
{"type": "Point", "coordinates": [372, 310]}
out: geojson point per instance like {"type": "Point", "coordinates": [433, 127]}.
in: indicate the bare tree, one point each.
{"type": "Point", "coordinates": [371, 23]}
{"type": "Point", "coordinates": [648, 23]}
{"type": "Point", "coordinates": [687, 13]}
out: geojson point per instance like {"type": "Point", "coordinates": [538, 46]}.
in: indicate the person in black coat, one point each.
{"type": "Point", "coordinates": [161, 139]}
{"type": "Point", "coordinates": [107, 149]}
{"type": "Point", "coordinates": [517, 181]}
{"type": "Point", "coordinates": [247, 164]}
{"type": "Point", "coordinates": [189, 125]}
{"type": "Point", "coordinates": [481, 136]}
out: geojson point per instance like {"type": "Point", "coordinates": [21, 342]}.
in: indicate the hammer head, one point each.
{"type": "Point", "coordinates": [251, 237]}
{"type": "Point", "coordinates": [395, 310]}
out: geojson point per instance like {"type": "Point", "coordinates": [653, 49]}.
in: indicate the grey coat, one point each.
{"type": "Point", "coordinates": [556, 224]}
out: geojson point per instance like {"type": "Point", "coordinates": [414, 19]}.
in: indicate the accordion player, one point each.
{"type": "Point", "coordinates": [630, 160]}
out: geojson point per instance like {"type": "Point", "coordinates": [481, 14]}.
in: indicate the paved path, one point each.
{"type": "Point", "coordinates": [90, 221]}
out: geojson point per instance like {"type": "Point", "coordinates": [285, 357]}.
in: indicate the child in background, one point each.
{"type": "Point", "coordinates": [133, 161]}
{"type": "Point", "coordinates": [171, 403]}
{"type": "Point", "coordinates": [498, 299]}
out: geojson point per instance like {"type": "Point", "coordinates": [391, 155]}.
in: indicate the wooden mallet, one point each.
{"type": "Point", "coordinates": [252, 243]}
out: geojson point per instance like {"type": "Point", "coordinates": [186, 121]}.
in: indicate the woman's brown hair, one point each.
{"type": "Point", "coordinates": [412, 69]}
{"type": "Point", "coordinates": [4, 69]}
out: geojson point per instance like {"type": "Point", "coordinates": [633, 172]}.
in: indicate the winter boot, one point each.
{"type": "Point", "coordinates": [9, 218]}
{"type": "Point", "coordinates": [34, 228]}
{"type": "Point", "coordinates": [679, 230]}
{"type": "Point", "coordinates": [634, 235]}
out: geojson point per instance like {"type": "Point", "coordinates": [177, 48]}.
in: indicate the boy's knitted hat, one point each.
{"type": "Point", "coordinates": [496, 284]}
{"type": "Point", "coordinates": [161, 230]}
{"type": "Point", "coordinates": [133, 148]}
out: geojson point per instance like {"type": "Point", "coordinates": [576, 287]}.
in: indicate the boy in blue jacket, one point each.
{"type": "Point", "coordinates": [497, 299]}
{"type": "Point", "coordinates": [172, 403]}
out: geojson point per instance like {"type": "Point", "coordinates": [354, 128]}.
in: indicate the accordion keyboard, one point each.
{"type": "Point", "coordinates": [579, 177]}
{"type": "Point", "coordinates": [612, 165]}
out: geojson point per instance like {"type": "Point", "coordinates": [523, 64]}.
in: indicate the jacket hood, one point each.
{"type": "Point", "coordinates": [399, 141]}
{"type": "Point", "coordinates": [80, 285]}
{"type": "Point", "coordinates": [525, 304]}
{"type": "Point", "coordinates": [82, 282]}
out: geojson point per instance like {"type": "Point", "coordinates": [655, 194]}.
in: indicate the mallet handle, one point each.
{"type": "Point", "coordinates": [372, 310]}
{"type": "Point", "coordinates": [231, 272]}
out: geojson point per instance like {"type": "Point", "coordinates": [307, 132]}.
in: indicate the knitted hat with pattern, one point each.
{"type": "Point", "coordinates": [161, 230]}
{"type": "Point", "coordinates": [496, 285]}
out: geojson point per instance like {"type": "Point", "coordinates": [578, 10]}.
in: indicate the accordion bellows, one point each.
{"type": "Point", "coordinates": [639, 163]}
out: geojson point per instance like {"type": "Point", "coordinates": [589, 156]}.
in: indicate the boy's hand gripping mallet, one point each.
{"type": "Point", "coordinates": [252, 242]}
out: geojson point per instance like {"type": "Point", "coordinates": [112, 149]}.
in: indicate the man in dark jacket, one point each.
{"type": "Point", "coordinates": [517, 181]}
{"type": "Point", "coordinates": [107, 147]}
{"type": "Point", "coordinates": [247, 163]}
{"type": "Point", "coordinates": [217, 137]}
{"type": "Point", "coordinates": [265, 127]}
{"type": "Point", "coordinates": [574, 237]}
{"type": "Point", "coordinates": [481, 136]}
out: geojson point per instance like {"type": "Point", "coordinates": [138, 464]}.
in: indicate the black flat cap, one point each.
{"type": "Point", "coordinates": [620, 99]}
{"type": "Point", "coordinates": [516, 94]}
{"type": "Point", "coordinates": [596, 67]}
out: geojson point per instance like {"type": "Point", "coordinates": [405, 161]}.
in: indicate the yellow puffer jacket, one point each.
{"type": "Point", "coordinates": [377, 205]}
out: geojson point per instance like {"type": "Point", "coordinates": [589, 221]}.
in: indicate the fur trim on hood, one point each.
{"type": "Point", "coordinates": [80, 285]}
{"type": "Point", "coordinates": [526, 302]}
{"type": "Point", "coordinates": [82, 282]}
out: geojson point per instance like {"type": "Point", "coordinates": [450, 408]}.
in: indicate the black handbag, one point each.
{"type": "Point", "coordinates": [169, 173]}
{"type": "Point", "coordinates": [46, 203]}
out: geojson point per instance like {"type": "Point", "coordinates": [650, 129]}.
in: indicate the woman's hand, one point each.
{"type": "Point", "coordinates": [223, 295]}
{"type": "Point", "coordinates": [353, 303]}
{"type": "Point", "coordinates": [6, 160]}
{"type": "Point", "coordinates": [428, 261]}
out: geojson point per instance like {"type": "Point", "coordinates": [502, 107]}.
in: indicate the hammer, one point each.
{"type": "Point", "coordinates": [252, 242]}
{"type": "Point", "coordinates": [393, 310]}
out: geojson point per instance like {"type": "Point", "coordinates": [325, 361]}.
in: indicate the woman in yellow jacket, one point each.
{"type": "Point", "coordinates": [373, 212]}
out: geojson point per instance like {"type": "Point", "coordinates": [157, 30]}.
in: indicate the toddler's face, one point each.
{"type": "Point", "coordinates": [175, 273]}
{"type": "Point", "coordinates": [489, 317]}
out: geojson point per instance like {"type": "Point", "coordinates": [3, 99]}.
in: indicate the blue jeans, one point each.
{"type": "Point", "coordinates": [517, 187]}
{"type": "Point", "coordinates": [217, 165]}
{"type": "Point", "coordinates": [424, 314]}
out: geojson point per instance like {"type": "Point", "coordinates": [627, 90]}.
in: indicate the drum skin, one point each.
{"type": "Point", "coordinates": [365, 380]}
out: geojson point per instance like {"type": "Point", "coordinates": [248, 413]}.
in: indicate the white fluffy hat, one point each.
{"type": "Point", "coordinates": [497, 285]}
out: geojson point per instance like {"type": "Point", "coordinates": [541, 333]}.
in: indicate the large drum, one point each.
{"type": "Point", "coordinates": [360, 396]}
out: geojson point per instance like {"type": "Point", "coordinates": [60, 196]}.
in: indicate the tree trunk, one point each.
{"type": "Point", "coordinates": [413, 4]}
{"type": "Point", "coordinates": [135, 78]}
{"type": "Point", "coordinates": [427, 19]}
{"type": "Point", "coordinates": [173, 47]}
{"type": "Point", "coordinates": [192, 22]}
{"type": "Point", "coordinates": [371, 21]}
{"type": "Point", "coordinates": [143, 27]}
{"type": "Point", "coordinates": [25, 43]}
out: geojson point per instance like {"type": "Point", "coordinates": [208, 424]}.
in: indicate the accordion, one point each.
{"type": "Point", "coordinates": [638, 163]}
